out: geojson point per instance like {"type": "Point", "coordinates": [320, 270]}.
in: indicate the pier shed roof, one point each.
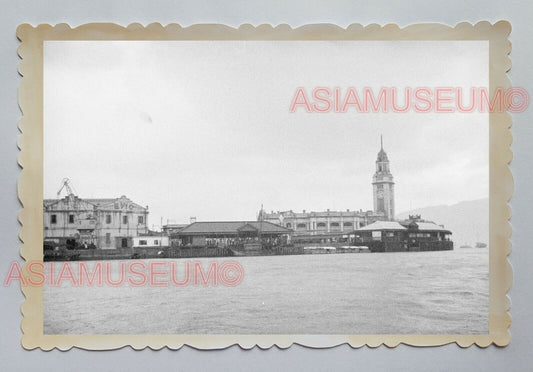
{"type": "Point", "coordinates": [382, 225]}
{"type": "Point", "coordinates": [429, 226]}
{"type": "Point", "coordinates": [232, 228]}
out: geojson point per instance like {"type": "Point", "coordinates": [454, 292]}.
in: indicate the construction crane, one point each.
{"type": "Point", "coordinates": [67, 185]}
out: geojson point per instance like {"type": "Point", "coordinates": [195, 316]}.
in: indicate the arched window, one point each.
{"type": "Point", "coordinates": [288, 225]}
{"type": "Point", "coordinates": [301, 226]}
{"type": "Point", "coordinates": [347, 224]}
{"type": "Point", "coordinates": [321, 225]}
{"type": "Point", "coordinates": [334, 224]}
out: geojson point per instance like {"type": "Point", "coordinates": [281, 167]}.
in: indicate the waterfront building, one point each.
{"type": "Point", "coordinates": [413, 234]}
{"type": "Point", "coordinates": [101, 223]}
{"type": "Point", "coordinates": [317, 223]}
{"type": "Point", "coordinates": [232, 233]}
{"type": "Point", "coordinates": [335, 222]}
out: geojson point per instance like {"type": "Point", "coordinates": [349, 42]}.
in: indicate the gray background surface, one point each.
{"type": "Point", "coordinates": [516, 357]}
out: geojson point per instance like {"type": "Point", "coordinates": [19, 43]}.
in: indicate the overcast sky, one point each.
{"type": "Point", "coordinates": [203, 128]}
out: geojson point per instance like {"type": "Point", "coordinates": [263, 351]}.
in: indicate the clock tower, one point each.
{"type": "Point", "coordinates": [383, 186]}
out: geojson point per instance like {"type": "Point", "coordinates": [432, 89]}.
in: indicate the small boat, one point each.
{"type": "Point", "coordinates": [481, 245]}
{"type": "Point", "coordinates": [465, 246]}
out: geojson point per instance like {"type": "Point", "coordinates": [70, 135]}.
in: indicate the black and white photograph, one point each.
{"type": "Point", "coordinates": [241, 187]}
{"type": "Point", "coordinates": [267, 186]}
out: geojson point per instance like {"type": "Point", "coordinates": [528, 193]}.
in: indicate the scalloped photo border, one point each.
{"type": "Point", "coordinates": [30, 184]}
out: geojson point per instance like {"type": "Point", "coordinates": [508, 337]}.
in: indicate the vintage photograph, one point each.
{"type": "Point", "coordinates": [206, 152]}
{"type": "Point", "coordinates": [213, 186]}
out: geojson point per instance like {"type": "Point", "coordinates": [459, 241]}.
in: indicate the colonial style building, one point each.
{"type": "Point", "coordinates": [334, 222]}
{"type": "Point", "coordinates": [319, 222]}
{"type": "Point", "coordinates": [104, 223]}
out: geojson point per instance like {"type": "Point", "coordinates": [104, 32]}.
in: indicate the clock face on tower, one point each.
{"type": "Point", "coordinates": [380, 194]}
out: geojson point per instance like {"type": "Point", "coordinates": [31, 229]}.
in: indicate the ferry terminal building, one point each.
{"type": "Point", "coordinates": [119, 222]}
{"type": "Point", "coordinates": [331, 222]}
{"type": "Point", "coordinates": [376, 229]}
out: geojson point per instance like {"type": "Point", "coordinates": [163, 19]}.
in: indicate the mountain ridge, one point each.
{"type": "Point", "coordinates": [468, 220]}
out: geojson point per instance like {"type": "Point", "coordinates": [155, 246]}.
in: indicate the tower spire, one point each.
{"type": "Point", "coordinates": [383, 185]}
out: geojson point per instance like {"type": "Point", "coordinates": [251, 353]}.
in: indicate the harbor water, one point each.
{"type": "Point", "coordinates": [379, 293]}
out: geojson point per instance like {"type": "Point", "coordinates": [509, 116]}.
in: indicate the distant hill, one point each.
{"type": "Point", "coordinates": [468, 220]}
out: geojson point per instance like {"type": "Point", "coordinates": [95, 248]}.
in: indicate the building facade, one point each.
{"type": "Point", "coordinates": [319, 222]}
{"type": "Point", "coordinates": [104, 223]}
{"type": "Point", "coordinates": [334, 222]}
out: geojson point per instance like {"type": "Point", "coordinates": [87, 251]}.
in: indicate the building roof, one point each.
{"type": "Point", "coordinates": [175, 226]}
{"type": "Point", "coordinates": [382, 225]}
{"type": "Point", "coordinates": [307, 214]}
{"type": "Point", "coordinates": [429, 226]}
{"type": "Point", "coordinates": [98, 202]}
{"type": "Point", "coordinates": [382, 156]}
{"type": "Point", "coordinates": [232, 227]}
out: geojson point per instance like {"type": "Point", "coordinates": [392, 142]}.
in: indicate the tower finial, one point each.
{"type": "Point", "coordinates": [382, 141]}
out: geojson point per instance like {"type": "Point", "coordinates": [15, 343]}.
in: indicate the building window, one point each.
{"type": "Point", "coordinates": [143, 242]}
{"type": "Point", "coordinates": [419, 235]}
{"type": "Point", "coordinates": [301, 226]}
{"type": "Point", "coordinates": [156, 242]}
{"type": "Point", "coordinates": [321, 225]}
{"type": "Point", "coordinates": [125, 220]}
{"type": "Point", "coordinates": [288, 225]}
{"type": "Point", "coordinates": [70, 218]}
{"type": "Point", "coordinates": [108, 238]}
{"type": "Point", "coordinates": [53, 218]}
{"type": "Point", "coordinates": [334, 224]}
{"type": "Point", "coordinates": [140, 220]}
{"type": "Point", "coordinates": [108, 219]}
{"type": "Point", "coordinates": [347, 224]}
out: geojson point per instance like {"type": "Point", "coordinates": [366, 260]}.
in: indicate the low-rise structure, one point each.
{"type": "Point", "coordinates": [413, 234]}
{"type": "Point", "coordinates": [151, 241]}
{"type": "Point", "coordinates": [232, 233]}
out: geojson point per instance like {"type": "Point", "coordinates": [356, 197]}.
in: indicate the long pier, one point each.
{"type": "Point", "coordinates": [185, 252]}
